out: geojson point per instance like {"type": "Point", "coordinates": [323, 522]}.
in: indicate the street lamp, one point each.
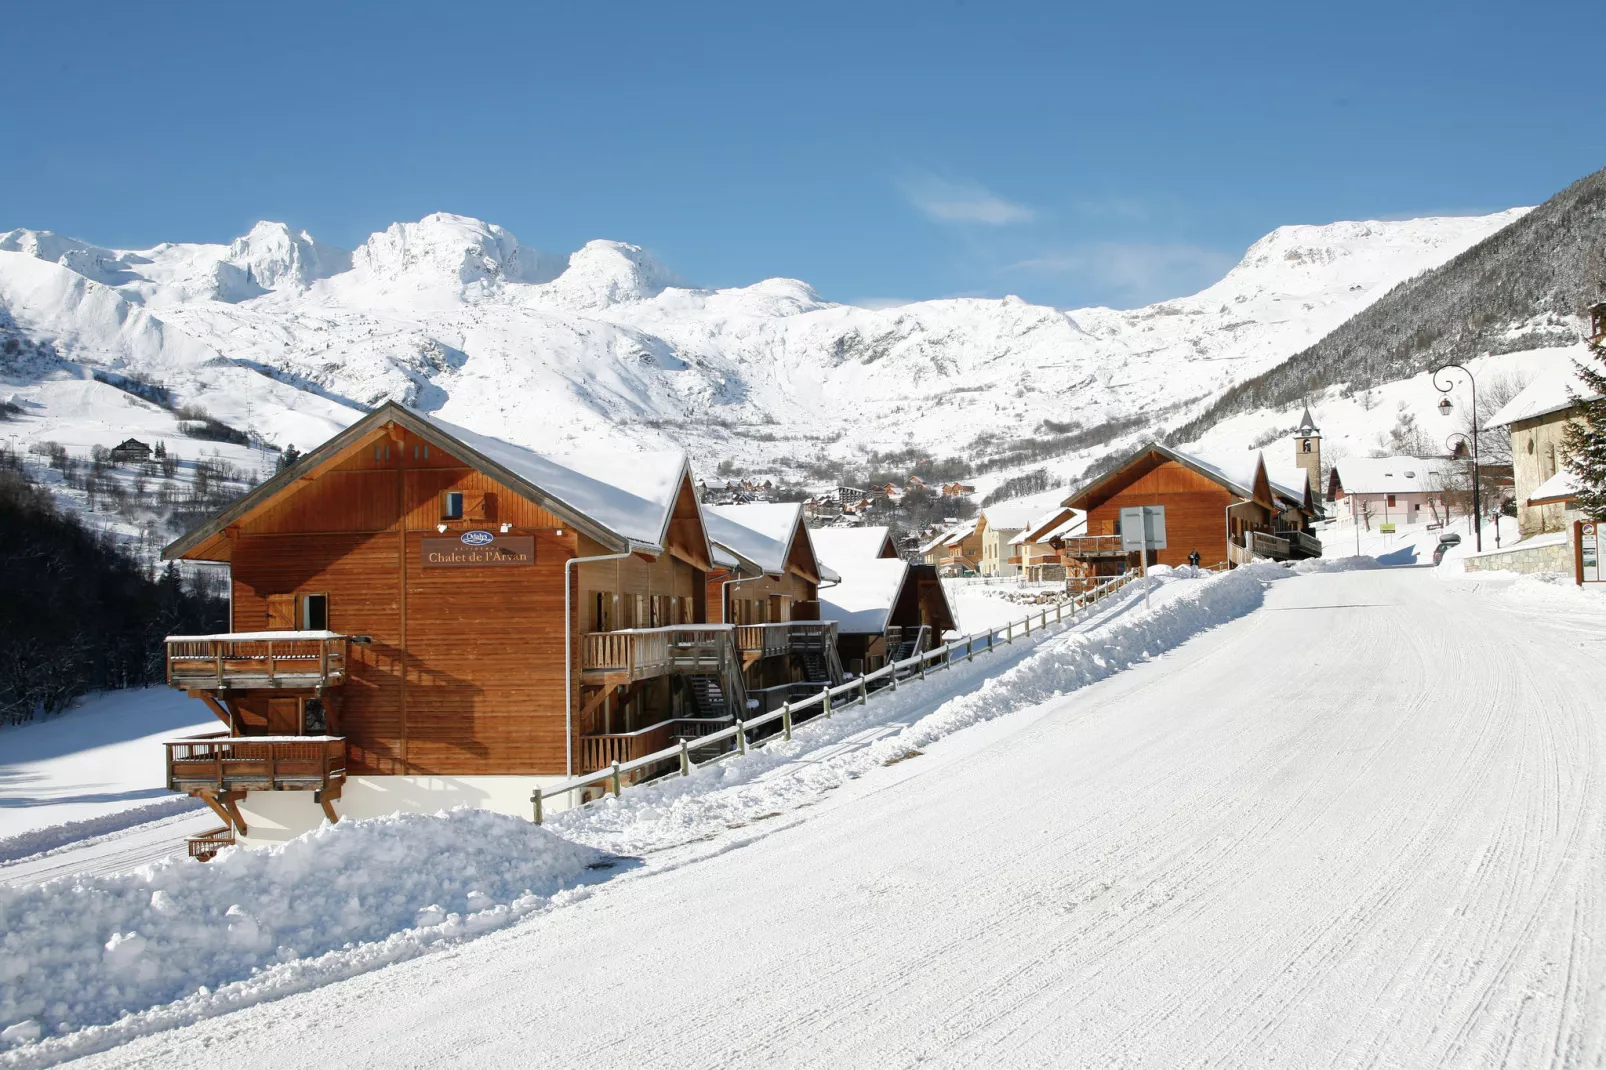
{"type": "Point", "coordinates": [1445, 408]}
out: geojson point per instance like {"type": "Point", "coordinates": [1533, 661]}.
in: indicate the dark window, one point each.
{"type": "Point", "coordinates": [454, 505]}
{"type": "Point", "coordinates": [1391, 499]}
{"type": "Point", "coordinates": [315, 612]}
{"type": "Point", "coordinates": [1307, 445]}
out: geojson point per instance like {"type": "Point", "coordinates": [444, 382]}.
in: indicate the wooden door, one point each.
{"type": "Point", "coordinates": [281, 612]}
{"type": "Point", "coordinates": [284, 717]}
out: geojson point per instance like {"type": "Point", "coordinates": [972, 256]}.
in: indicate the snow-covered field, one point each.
{"type": "Point", "coordinates": [96, 768]}
{"type": "Point", "coordinates": [1345, 818]}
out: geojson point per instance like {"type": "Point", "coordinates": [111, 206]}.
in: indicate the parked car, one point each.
{"type": "Point", "coordinates": [1445, 542]}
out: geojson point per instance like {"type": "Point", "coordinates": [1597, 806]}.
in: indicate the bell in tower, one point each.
{"type": "Point", "coordinates": [1308, 450]}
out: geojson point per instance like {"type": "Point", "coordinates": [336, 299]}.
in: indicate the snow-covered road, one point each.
{"type": "Point", "coordinates": [1364, 825]}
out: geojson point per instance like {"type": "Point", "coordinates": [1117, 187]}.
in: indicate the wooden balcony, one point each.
{"type": "Point", "coordinates": [222, 763]}
{"type": "Point", "coordinates": [1302, 544]}
{"type": "Point", "coordinates": [787, 637]}
{"type": "Point", "coordinates": [601, 749]}
{"type": "Point", "coordinates": [1265, 544]}
{"type": "Point", "coordinates": [1087, 547]}
{"type": "Point", "coordinates": [643, 653]}
{"type": "Point", "coordinates": [254, 660]}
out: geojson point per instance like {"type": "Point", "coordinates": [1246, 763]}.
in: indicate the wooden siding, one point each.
{"type": "Point", "coordinates": [1195, 512]}
{"type": "Point", "coordinates": [464, 674]}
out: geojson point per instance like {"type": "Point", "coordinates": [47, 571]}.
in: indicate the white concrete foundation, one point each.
{"type": "Point", "coordinates": [276, 816]}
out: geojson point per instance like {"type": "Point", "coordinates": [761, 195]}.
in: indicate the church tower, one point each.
{"type": "Point", "coordinates": [1308, 451]}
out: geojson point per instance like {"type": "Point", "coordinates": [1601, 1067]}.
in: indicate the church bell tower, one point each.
{"type": "Point", "coordinates": [1308, 451]}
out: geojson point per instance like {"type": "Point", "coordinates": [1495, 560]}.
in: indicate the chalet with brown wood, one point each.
{"type": "Point", "coordinates": [425, 617]}
{"type": "Point", "coordinates": [1227, 512]}
{"type": "Point", "coordinates": [884, 608]}
{"type": "Point", "coordinates": [766, 584]}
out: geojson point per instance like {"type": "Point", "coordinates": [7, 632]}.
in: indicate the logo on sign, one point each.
{"type": "Point", "coordinates": [477, 538]}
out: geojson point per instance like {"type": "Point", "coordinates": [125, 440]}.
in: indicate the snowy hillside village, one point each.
{"type": "Point", "coordinates": [423, 618]}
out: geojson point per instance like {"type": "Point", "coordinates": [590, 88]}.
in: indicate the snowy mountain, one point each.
{"type": "Point", "coordinates": [286, 337]}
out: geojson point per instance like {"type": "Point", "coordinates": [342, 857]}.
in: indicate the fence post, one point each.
{"type": "Point", "coordinates": [827, 702]}
{"type": "Point", "coordinates": [1028, 624]}
{"type": "Point", "coordinates": [892, 664]}
{"type": "Point", "coordinates": [685, 759]}
{"type": "Point", "coordinates": [741, 736]}
{"type": "Point", "coordinates": [616, 778]}
{"type": "Point", "coordinates": [989, 642]}
{"type": "Point", "coordinates": [535, 801]}
{"type": "Point", "coordinates": [1045, 619]}
{"type": "Point", "coordinates": [1059, 608]}
{"type": "Point", "coordinates": [922, 666]}
{"type": "Point", "coordinates": [970, 648]}
{"type": "Point", "coordinates": [1009, 633]}
{"type": "Point", "coordinates": [786, 720]}
{"type": "Point", "coordinates": [864, 691]}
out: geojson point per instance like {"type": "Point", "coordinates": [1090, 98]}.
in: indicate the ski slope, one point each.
{"type": "Point", "coordinates": [1363, 825]}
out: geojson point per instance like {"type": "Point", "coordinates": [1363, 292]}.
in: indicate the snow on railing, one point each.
{"type": "Point", "coordinates": [854, 690]}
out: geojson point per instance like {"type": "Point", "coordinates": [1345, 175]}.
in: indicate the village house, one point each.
{"type": "Point", "coordinates": [956, 552]}
{"type": "Point", "coordinates": [1227, 512]}
{"type": "Point", "coordinates": [130, 451]}
{"type": "Point", "coordinates": [884, 607]}
{"type": "Point", "coordinates": [957, 490]}
{"type": "Point", "coordinates": [998, 525]}
{"type": "Point", "coordinates": [1391, 490]}
{"type": "Point", "coordinates": [1038, 545]}
{"type": "Point", "coordinates": [766, 583]}
{"type": "Point", "coordinates": [1537, 419]}
{"type": "Point", "coordinates": [424, 617]}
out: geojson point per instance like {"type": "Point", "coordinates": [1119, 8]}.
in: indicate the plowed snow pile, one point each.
{"type": "Point", "coordinates": [83, 951]}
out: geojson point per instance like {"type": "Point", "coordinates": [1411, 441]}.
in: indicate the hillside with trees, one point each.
{"type": "Point", "coordinates": [1518, 289]}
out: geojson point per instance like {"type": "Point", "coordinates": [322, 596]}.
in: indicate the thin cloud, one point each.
{"type": "Point", "coordinates": [954, 202]}
{"type": "Point", "coordinates": [1134, 272]}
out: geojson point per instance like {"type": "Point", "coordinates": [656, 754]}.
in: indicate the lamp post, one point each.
{"type": "Point", "coordinates": [1445, 408]}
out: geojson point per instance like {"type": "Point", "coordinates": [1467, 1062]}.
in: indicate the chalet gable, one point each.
{"type": "Point", "coordinates": [623, 504]}
{"type": "Point", "coordinates": [771, 536]}
{"type": "Point", "coordinates": [1246, 480]}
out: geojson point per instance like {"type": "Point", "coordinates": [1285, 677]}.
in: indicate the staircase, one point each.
{"type": "Point", "coordinates": [708, 697]}
{"type": "Point", "coordinates": [907, 643]}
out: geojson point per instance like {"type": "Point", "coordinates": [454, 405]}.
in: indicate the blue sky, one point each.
{"type": "Point", "coordinates": [881, 152]}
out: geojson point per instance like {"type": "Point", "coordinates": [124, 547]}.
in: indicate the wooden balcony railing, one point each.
{"type": "Point", "coordinates": [786, 637]}
{"type": "Point", "coordinates": [601, 749]}
{"type": "Point", "coordinates": [643, 653]}
{"type": "Point", "coordinates": [1085, 546]}
{"type": "Point", "coordinates": [1303, 544]}
{"type": "Point", "coordinates": [256, 660]}
{"type": "Point", "coordinates": [210, 842]}
{"type": "Point", "coordinates": [256, 763]}
{"type": "Point", "coordinates": [764, 640]}
{"type": "Point", "coordinates": [1265, 544]}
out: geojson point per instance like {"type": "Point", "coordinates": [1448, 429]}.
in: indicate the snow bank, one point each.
{"type": "Point", "coordinates": [1044, 665]}
{"type": "Point", "coordinates": [255, 924]}
{"type": "Point", "coordinates": [50, 837]}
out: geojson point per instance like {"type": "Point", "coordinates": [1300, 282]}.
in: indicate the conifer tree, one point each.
{"type": "Point", "coordinates": [1584, 439]}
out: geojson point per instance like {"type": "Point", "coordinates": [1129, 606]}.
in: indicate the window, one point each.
{"type": "Point", "coordinates": [1307, 445]}
{"type": "Point", "coordinates": [314, 612]}
{"type": "Point", "coordinates": [1391, 501]}
{"type": "Point", "coordinates": [452, 505]}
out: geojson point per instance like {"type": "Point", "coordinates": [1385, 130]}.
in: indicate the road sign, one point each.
{"type": "Point", "coordinates": [1588, 553]}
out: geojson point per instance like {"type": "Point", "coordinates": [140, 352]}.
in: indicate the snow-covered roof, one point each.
{"type": "Point", "coordinates": [1049, 525]}
{"type": "Point", "coordinates": [1559, 487]}
{"type": "Point", "coordinates": [1551, 391]}
{"type": "Point", "coordinates": [950, 537]}
{"type": "Point", "coordinates": [1008, 517]}
{"type": "Point", "coordinates": [760, 532]}
{"type": "Point", "coordinates": [839, 544]}
{"type": "Point", "coordinates": [632, 494]}
{"type": "Point", "coordinates": [1287, 480]}
{"type": "Point", "coordinates": [1387, 475]}
{"type": "Point", "coordinates": [861, 603]}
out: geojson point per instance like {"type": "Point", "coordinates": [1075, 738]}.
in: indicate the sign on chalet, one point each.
{"type": "Point", "coordinates": [426, 617]}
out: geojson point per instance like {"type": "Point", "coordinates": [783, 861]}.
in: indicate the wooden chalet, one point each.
{"type": "Point", "coordinates": [1229, 513]}
{"type": "Point", "coordinates": [765, 583]}
{"type": "Point", "coordinates": [130, 451]}
{"type": "Point", "coordinates": [884, 607]}
{"type": "Point", "coordinates": [424, 617]}
{"type": "Point", "coordinates": [957, 552]}
{"type": "Point", "coordinates": [1039, 545]}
